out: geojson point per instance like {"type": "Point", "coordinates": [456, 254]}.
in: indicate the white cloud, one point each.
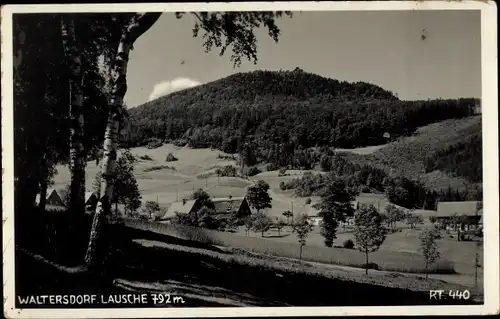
{"type": "Point", "coordinates": [167, 87]}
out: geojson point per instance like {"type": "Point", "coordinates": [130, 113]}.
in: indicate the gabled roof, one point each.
{"type": "Point", "coordinates": [448, 209]}
{"type": "Point", "coordinates": [227, 205]}
{"type": "Point", "coordinates": [183, 207]}
{"type": "Point", "coordinates": [49, 193]}
{"type": "Point", "coordinates": [88, 195]}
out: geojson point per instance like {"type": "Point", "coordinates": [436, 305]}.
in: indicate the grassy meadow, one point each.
{"type": "Point", "coordinates": [399, 253]}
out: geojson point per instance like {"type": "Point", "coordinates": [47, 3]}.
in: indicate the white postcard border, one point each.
{"type": "Point", "coordinates": [490, 160]}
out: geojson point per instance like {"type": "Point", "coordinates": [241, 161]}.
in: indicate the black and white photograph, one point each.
{"type": "Point", "coordinates": [250, 159]}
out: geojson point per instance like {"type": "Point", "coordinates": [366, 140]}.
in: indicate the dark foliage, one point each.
{"type": "Point", "coordinates": [460, 159]}
{"type": "Point", "coordinates": [285, 113]}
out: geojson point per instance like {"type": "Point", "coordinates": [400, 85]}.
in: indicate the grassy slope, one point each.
{"type": "Point", "coordinates": [407, 155]}
{"type": "Point", "coordinates": [204, 276]}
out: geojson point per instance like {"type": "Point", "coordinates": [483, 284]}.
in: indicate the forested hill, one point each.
{"type": "Point", "coordinates": [288, 110]}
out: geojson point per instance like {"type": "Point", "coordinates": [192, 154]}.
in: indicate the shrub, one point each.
{"type": "Point", "coordinates": [180, 143]}
{"type": "Point", "coordinates": [282, 172]}
{"type": "Point", "coordinates": [155, 143]}
{"type": "Point", "coordinates": [145, 157]}
{"type": "Point", "coordinates": [371, 265]}
{"type": "Point", "coordinates": [349, 244]}
{"type": "Point", "coordinates": [252, 171]}
{"type": "Point", "coordinates": [308, 201]}
{"type": "Point", "coordinates": [157, 168]}
{"type": "Point", "coordinates": [271, 167]}
{"type": "Point", "coordinates": [171, 158]}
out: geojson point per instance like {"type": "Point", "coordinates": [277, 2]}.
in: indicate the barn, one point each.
{"type": "Point", "coordinates": [459, 215]}
{"type": "Point", "coordinates": [231, 205]}
{"type": "Point", "coordinates": [183, 207]}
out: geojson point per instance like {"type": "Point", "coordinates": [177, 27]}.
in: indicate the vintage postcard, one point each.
{"type": "Point", "coordinates": [250, 159]}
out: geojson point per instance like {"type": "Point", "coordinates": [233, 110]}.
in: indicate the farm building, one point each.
{"type": "Point", "coordinates": [464, 215]}
{"type": "Point", "coordinates": [316, 219]}
{"type": "Point", "coordinates": [232, 205]}
{"type": "Point", "coordinates": [52, 198]}
{"type": "Point", "coordinates": [90, 201]}
{"type": "Point", "coordinates": [184, 207]}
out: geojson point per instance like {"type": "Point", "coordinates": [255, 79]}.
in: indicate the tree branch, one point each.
{"type": "Point", "coordinates": [140, 23]}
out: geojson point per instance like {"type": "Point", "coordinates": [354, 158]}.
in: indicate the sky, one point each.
{"type": "Point", "coordinates": [380, 47]}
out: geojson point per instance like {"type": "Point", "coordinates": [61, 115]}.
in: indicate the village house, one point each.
{"type": "Point", "coordinates": [459, 215]}
{"type": "Point", "coordinates": [90, 201]}
{"type": "Point", "coordinates": [231, 205]}
{"type": "Point", "coordinates": [183, 207]}
{"type": "Point", "coordinates": [52, 198]}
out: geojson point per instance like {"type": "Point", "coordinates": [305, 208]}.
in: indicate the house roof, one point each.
{"type": "Point", "coordinates": [88, 195]}
{"type": "Point", "coordinates": [227, 205]}
{"type": "Point", "coordinates": [49, 193]}
{"type": "Point", "coordinates": [448, 209]}
{"type": "Point", "coordinates": [180, 207]}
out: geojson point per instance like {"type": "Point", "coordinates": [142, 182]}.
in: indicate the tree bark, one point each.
{"type": "Point", "coordinates": [43, 189]}
{"type": "Point", "coordinates": [300, 254]}
{"type": "Point", "coordinates": [366, 268]}
{"type": "Point", "coordinates": [77, 151]}
{"type": "Point", "coordinates": [138, 25]}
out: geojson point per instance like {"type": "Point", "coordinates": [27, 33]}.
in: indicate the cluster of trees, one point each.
{"type": "Point", "coordinates": [69, 85]}
{"type": "Point", "coordinates": [461, 159]}
{"type": "Point", "coordinates": [125, 186]}
{"type": "Point", "coordinates": [286, 107]}
{"type": "Point", "coordinates": [258, 198]}
{"type": "Point", "coordinates": [399, 190]}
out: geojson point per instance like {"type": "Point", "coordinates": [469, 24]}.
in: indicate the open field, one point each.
{"type": "Point", "coordinates": [398, 254]}
{"type": "Point", "coordinates": [205, 275]}
{"type": "Point", "coordinates": [168, 185]}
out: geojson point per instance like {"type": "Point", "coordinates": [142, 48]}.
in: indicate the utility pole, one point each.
{"type": "Point", "coordinates": [177, 193]}
{"type": "Point", "coordinates": [292, 210]}
{"type": "Point", "coordinates": [157, 199]}
{"type": "Point", "coordinates": [206, 182]}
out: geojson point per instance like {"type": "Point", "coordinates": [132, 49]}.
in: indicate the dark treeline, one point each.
{"type": "Point", "coordinates": [41, 99]}
{"type": "Point", "coordinates": [463, 159]}
{"type": "Point", "coordinates": [290, 108]}
{"type": "Point", "coordinates": [364, 178]}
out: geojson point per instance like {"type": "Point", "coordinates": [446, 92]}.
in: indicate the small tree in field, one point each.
{"type": "Point", "coordinates": [288, 214]}
{"type": "Point", "coordinates": [280, 223]}
{"type": "Point", "coordinates": [413, 220]}
{"type": "Point", "coordinates": [369, 231]}
{"type": "Point", "coordinates": [258, 196]}
{"type": "Point", "coordinates": [393, 215]}
{"type": "Point", "coordinates": [429, 247]}
{"type": "Point", "coordinates": [248, 220]}
{"type": "Point", "coordinates": [151, 207]}
{"type": "Point", "coordinates": [261, 223]}
{"type": "Point", "coordinates": [433, 219]}
{"type": "Point", "coordinates": [302, 227]}
{"type": "Point", "coordinates": [335, 207]}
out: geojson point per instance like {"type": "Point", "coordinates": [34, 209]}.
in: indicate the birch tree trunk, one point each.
{"type": "Point", "coordinates": [138, 25]}
{"type": "Point", "coordinates": [77, 151]}
{"type": "Point", "coordinates": [43, 186]}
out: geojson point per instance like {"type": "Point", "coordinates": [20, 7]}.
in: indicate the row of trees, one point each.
{"type": "Point", "coordinates": [83, 59]}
